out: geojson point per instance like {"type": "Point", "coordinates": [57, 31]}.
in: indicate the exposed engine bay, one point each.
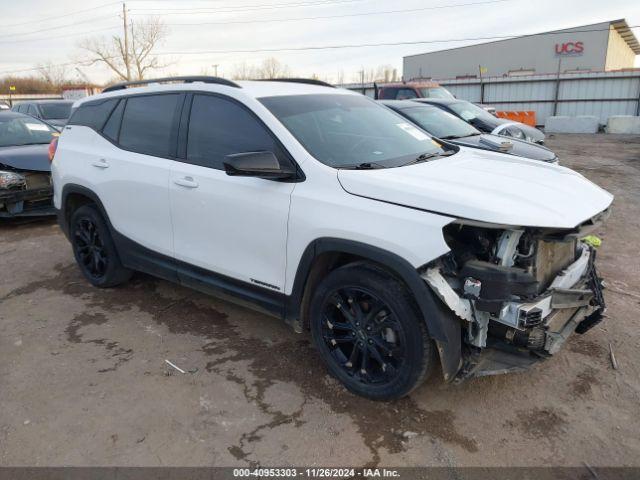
{"type": "Point", "coordinates": [520, 292]}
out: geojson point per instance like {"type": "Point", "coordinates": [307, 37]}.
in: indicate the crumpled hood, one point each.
{"type": "Point", "coordinates": [486, 187]}
{"type": "Point", "coordinates": [26, 157]}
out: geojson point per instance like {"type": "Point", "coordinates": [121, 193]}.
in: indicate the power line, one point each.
{"type": "Point", "coordinates": [94, 19]}
{"type": "Point", "coordinates": [89, 20]}
{"type": "Point", "coordinates": [339, 46]}
{"type": "Point", "coordinates": [325, 17]}
{"type": "Point", "coordinates": [302, 2]}
{"type": "Point", "coordinates": [385, 44]}
{"type": "Point", "coordinates": [40, 39]}
{"type": "Point", "coordinates": [240, 8]}
{"type": "Point", "coordinates": [30, 22]}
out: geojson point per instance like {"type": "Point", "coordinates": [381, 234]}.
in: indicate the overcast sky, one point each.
{"type": "Point", "coordinates": [245, 25]}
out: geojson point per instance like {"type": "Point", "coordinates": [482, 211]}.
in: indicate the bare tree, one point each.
{"type": "Point", "coordinates": [272, 68]}
{"type": "Point", "coordinates": [269, 68]}
{"type": "Point", "coordinates": [381, 73]}
{"type": "Point", "coordinates": [55, 75]}
{"type": "Point", "coordinates": [132, 61]}
{"type": "Point", "coordinates": [244, 71]}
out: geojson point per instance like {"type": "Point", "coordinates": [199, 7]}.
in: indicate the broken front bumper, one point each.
{"type": "Point", "coordinates": [524, 333]}
{"type": "Point", "coordinates": [30, 202]}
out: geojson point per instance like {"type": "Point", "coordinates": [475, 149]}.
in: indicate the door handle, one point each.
{"type": "Point", "coordinates": [187, 182]}
{"type": "Point", "coordinates": [102, 163]}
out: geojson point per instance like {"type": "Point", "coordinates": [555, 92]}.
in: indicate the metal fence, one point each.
{"type": "Point", "coordinates": [22, 97]}
{"type": "Point", "coordinates": [599, 93]}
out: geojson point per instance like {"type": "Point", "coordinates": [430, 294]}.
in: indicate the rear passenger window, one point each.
{"type": "Point", "coordinates": [93, 114]}
{"type": "Point", "coordinates": [219, 127]}
{"type": "Point", "coordinates": [112, 127]}
{"type": "Point", "coordinates": [32, 111]}
{"type": "Point", "coordinates": [147, 124]}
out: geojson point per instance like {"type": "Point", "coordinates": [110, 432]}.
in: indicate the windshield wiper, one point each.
{"type": "Point", "coordinates": [453, 137]}
{"type": "Point", "coordinates": [363, 166]}
{"type": "Point", "coordinates": [426, 156]}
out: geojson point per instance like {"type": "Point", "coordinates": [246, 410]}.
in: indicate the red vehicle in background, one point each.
{"type": "Point", "coordinates": [409, 90]}
{"type": "Point", "coordinates": [417, 89]}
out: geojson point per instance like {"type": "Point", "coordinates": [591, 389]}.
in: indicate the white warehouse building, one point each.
{"type": "Point", "coordinates": [599, 47]}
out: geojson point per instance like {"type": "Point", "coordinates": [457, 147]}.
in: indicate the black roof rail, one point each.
{"type": "Point", "coordinates": [189, 79]}
{"type": "Point", "coordinates": [310, 81]}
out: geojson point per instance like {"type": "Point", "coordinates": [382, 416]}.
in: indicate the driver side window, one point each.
{"type": "Point", "coordinates": [220, 127]}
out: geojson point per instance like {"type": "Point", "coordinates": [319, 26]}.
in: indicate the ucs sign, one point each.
{"type": "Point", "coordinates": [569, 48]}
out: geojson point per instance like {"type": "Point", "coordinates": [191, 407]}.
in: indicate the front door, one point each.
{"type": "Point", "coordinates": [232, 226]}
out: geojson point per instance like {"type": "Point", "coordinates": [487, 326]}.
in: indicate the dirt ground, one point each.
{"type": "Point", "coordinates": [83, 379]}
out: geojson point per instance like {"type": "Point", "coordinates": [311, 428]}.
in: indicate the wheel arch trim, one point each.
{"type": "Point", "coordinates": [441, 325]}
{"type": "Point", "coordinates": [70, 189]}
{"type": "Point", "coordinates": [389, 260]}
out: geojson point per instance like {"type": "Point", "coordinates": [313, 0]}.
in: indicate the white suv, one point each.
{"type": "Point", "coordinates": [332, 212]}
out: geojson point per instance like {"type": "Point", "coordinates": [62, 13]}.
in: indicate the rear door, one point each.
{"type": "Point", "coordinates": [125, 160]}
{"type": "Point", "coordinates": [234, 226]}
{"type": "Point", "coordinates": [134, 173]}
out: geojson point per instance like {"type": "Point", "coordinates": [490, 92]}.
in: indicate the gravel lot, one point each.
{"type": "Point", "coordinates": [83, 379]}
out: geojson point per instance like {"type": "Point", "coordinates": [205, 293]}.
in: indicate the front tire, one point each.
{"type": "Point", "coordinates": [94, 249]}
{"type": "Point", "coordinates": [370, 333]}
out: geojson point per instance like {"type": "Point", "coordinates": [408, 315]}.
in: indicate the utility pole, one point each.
{"type": "Point", "coordinates": [557, 89]}
{"type": "Point", "coordinates": [215, 66]}
{"type": "Point", "coordinates": [126, 41]}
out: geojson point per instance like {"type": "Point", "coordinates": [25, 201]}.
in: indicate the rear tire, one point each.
{"type": "Point", "coordinates": [94, 249]}
{"type": "Point", "coordinates": [370, 333]}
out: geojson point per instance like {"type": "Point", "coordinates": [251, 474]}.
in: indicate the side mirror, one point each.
{"type": "Point", "coordinates": [257, 164]}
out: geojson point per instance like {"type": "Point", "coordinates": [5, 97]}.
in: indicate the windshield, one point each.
{"type": "Point", "coordinates": [24, 131]}
{"type": "Point", "coordinates": [350, 130]}
{"type": "Point", "coordinates": [52, 111]}
{"type": "Point", "coordinates": [436, 92]}
{"type": "Point", "coordinates": [439, 123]}
{"type": "Point", "coordinates": [468, 111]}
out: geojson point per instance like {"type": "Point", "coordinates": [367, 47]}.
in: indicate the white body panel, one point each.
{"type": "Point", "coordinates": [132, 187]}
{"type": "Point", "coordinates": [320, 208]}
{"type": "Point", "coordinates": [487, 187]}
{"type": "Point", "coordinates": [236, 226]}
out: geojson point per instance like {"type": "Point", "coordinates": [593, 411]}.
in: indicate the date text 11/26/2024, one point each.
{"type": "Point", "coordinates": [315, 473]}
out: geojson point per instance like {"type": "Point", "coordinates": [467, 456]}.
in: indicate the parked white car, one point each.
{"type": "Point", "coordinates": [334, 213]}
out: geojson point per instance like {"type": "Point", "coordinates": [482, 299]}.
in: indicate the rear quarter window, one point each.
{"type": "Point", "coordinates": [148, 123]}
{"type": "Point", "coordinates": [93, 114]}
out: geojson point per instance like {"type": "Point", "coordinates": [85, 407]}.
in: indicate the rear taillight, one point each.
{"type": "Point", "coordinates": [53, 146]}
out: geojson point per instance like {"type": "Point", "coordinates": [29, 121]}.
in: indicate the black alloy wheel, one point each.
{"type": "Point", "coordinates": [364, 335]}
{"type": "Point", "coordinates": [93, 247]}
{"type": "Point", "coordinates": [90, 248]}
{"type": "Point", "coordinates": [370, 334]}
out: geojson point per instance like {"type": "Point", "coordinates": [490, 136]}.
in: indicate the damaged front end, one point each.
{"type": "Point", "coordinates": [25, 193]}
{"type": "Point", "coordinates": [519, 292]}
